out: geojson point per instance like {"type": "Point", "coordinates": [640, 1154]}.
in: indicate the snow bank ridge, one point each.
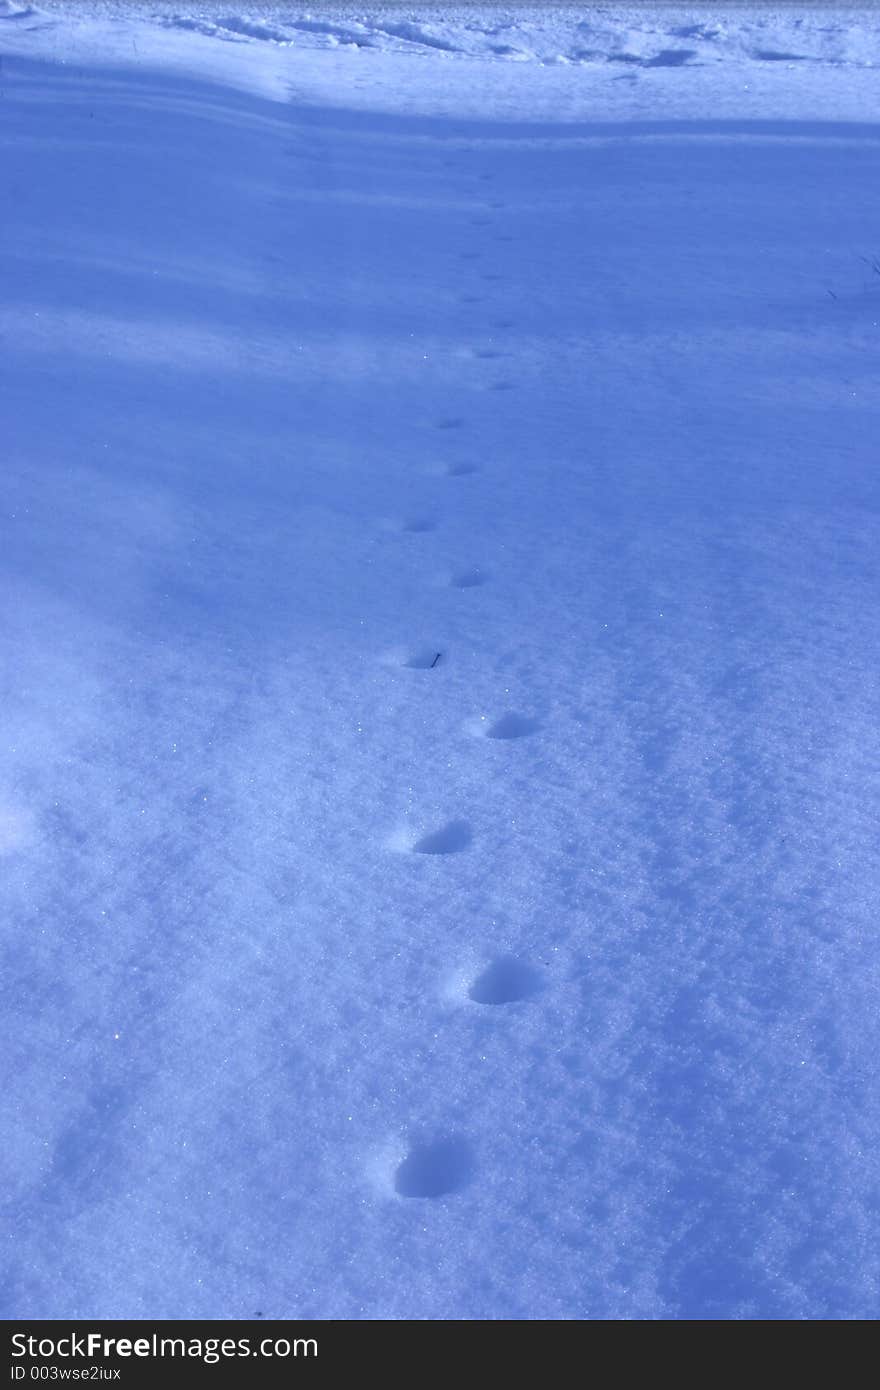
{"type": "Point", "coordinates": [644, 38]}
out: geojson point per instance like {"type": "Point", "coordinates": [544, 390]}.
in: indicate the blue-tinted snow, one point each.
{"type": "Point", "coordinates": [439, 771]}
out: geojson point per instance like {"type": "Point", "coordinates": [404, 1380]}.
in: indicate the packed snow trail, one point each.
{"type": "Point", "coordinates": [439, 789]}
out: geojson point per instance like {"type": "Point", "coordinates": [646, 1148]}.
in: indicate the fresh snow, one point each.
{"type": "Point", "coordinates": [440, 754]}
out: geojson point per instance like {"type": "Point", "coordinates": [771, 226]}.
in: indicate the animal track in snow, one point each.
{"type": "Point", "coordinates": [449, 839]}
{"type": "Point", "coordinates": [510, 725]}
{"type": "Point", "coordinates": [426, 658]}
{"type": "Point", "coordinates": [505, 981]}
{"type": "Point", "coordinates": [461, 470]}
{"type": "Point", "coordinates": [468, 579]}
{"type": "Point", "coordinates": [417, 525]}
{"type": "Point", "coordinates": [434, 1168]}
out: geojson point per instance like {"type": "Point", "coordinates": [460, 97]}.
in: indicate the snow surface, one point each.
{"type": "Point", "coordinates": [440, 761]}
